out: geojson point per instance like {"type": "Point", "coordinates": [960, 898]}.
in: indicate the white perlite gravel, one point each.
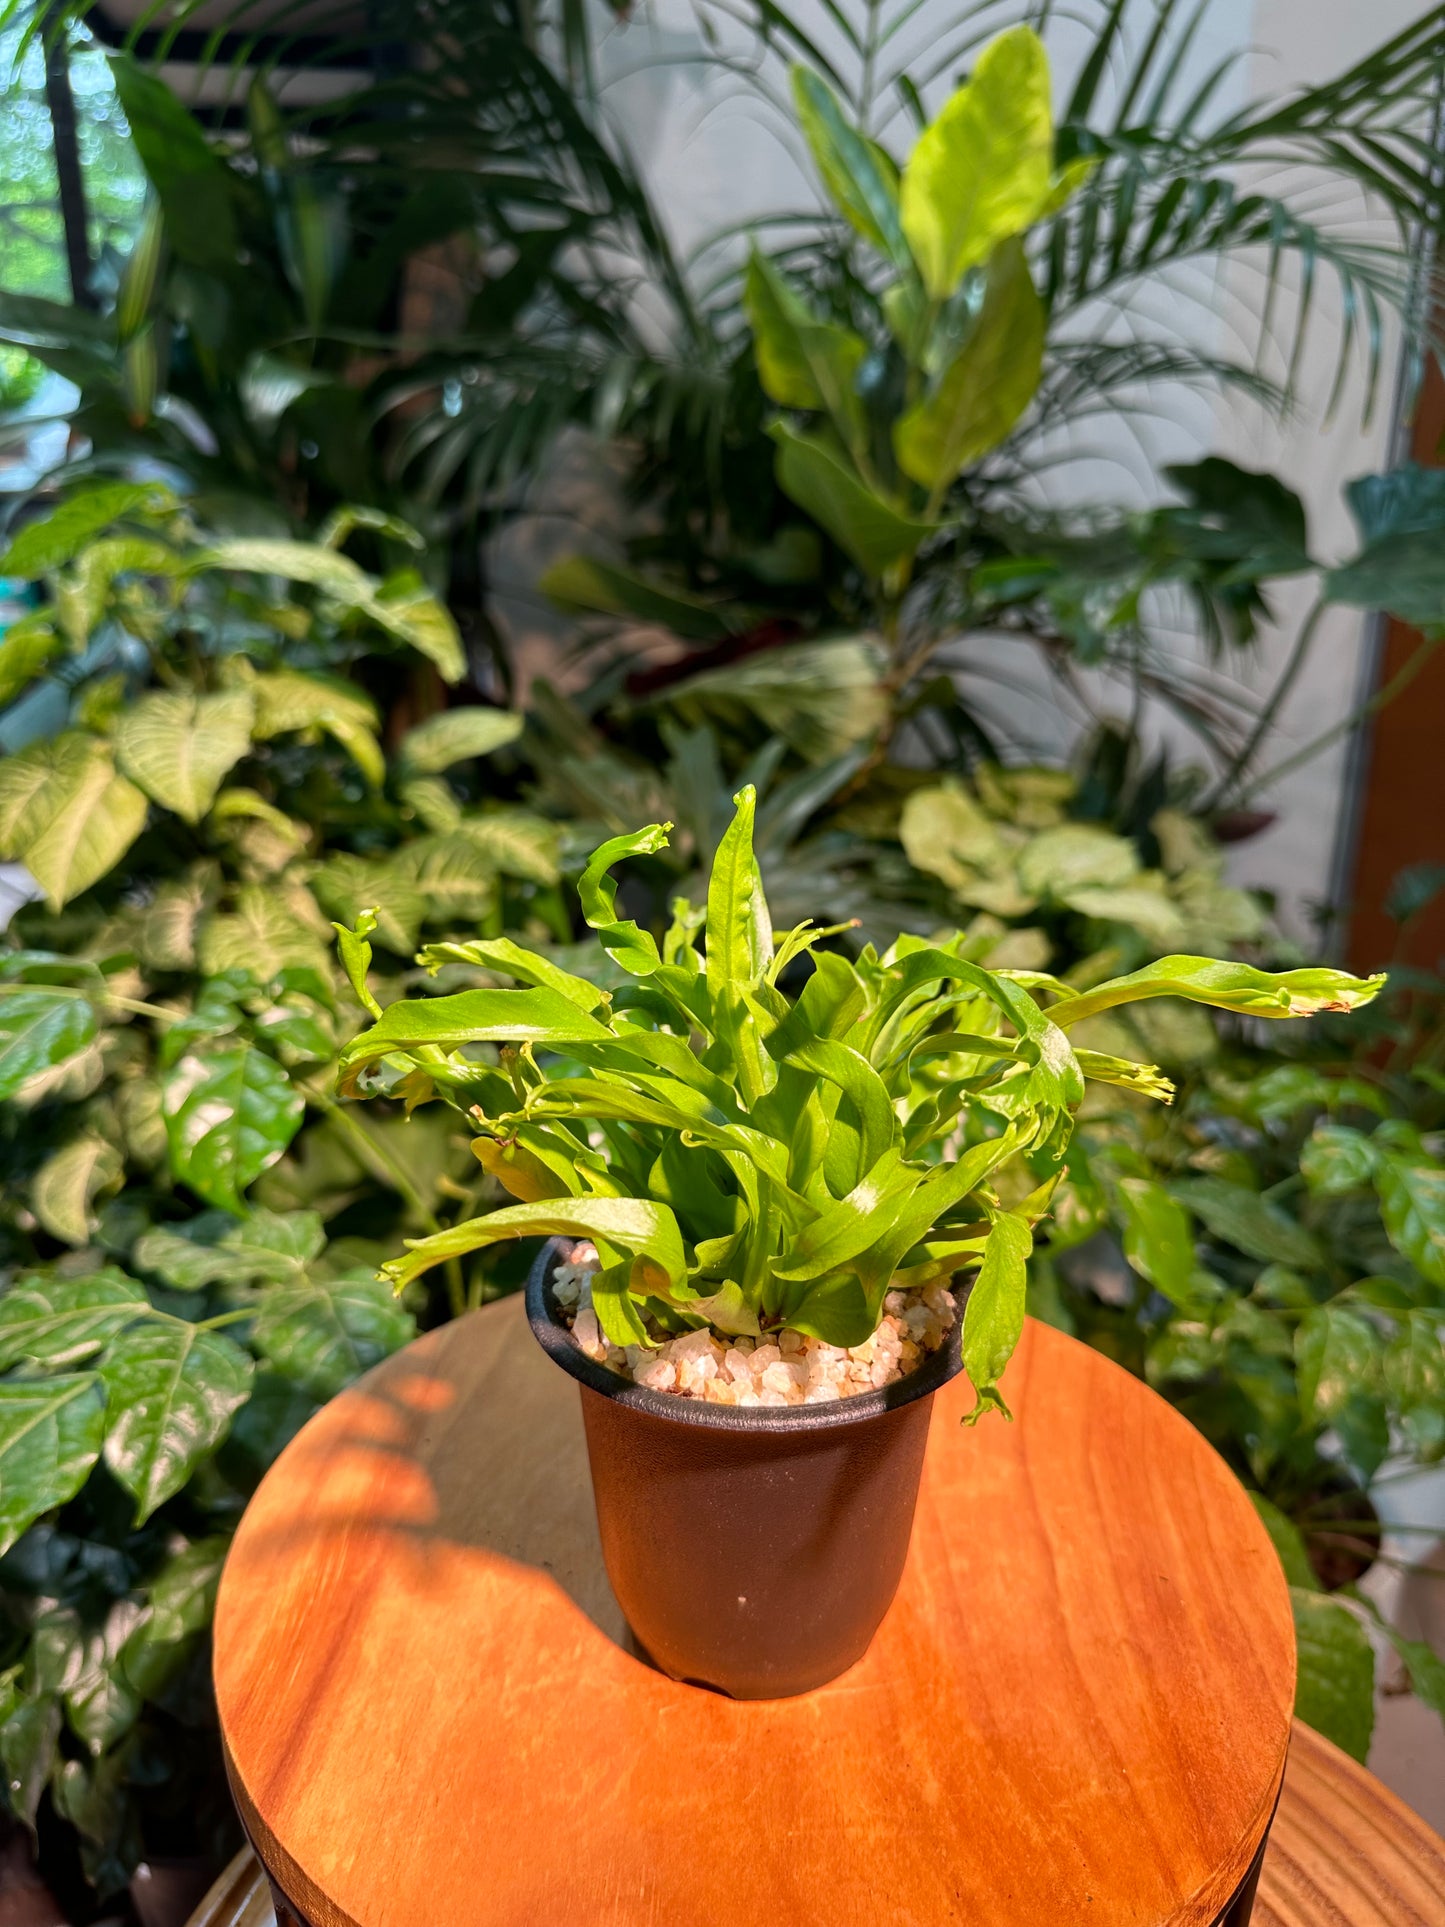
{"type": "Point", "coordinates": [746, 1371]}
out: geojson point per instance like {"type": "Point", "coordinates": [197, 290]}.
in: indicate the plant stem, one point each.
{"type": "Point", "coordinates": [383, 1165]}
{"type": "Point", "coordinates": [1271, 709]}
{"type": "Point", "coordinates": [97, 997]}
{"type": "Point", "coordinates": [1397, 683]}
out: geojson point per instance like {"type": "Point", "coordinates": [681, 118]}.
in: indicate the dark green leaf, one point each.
{"type": "Point", "coordinates": [171, 1391]}
{"type": "Point", "coordinates": [1252, 1224]}
{"type": "Point", "coordinates": [1337, 1352]}
{"type": "Point", "coordinates": [1335, 1160]}
{"type": "Point", "coordinates": [229, 1115]}
{"type": "Point", "coordinates": [1287, 1541]}
{"type": "Point", "coordinates": [1159, 1244]}
{"type": "Point", "coordinates": [1412, 1204]}
{"type": "Point", "coordinates": [860, 177]}
{"type": "Point", "coordinates": [325, 1332]}
{"type": "Point", "coordinates": [1335, 1690]}
{"type": "Point", "coordinates": [819, 477]}
{"type": "Point", "coordinates": [59, 1321]}
{"type": "Point", "coordinates": [262, 1249]}
{"type": "Point", "coordinates": [50, 1436]}
{"type": "Point", "coordinates": [29, 1740]}
{"type": "Point", "coordinates": [40, 1026]}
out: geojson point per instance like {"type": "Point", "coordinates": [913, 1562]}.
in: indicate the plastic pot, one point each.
{"type": "Point", "coordinates": [753, 1550]}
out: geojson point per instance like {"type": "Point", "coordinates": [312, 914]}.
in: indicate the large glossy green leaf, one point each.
{"type": "Point", "coordinates": [1414, 1373]}
{"type": "Point", "coordinates": [66, 813]}
{"type": "Point", "coordinates": [1338, 1356]}
{"type": "Point", "coordinates": [1412, 1205]}
{"type": "Point", "coordinates": [1335, 1160]}
{"type": "Point", "coordinates": [818, 476]}
{"type": "Point", "coordinates": [229, 1115]}
{"type": "Point", "coordinates": [325, 1332]}
{"type": "Point", "coordinates": [64, 1190]}
{"type": "Point", "coordinates": [179, 748]}
{"type": "Point", "coordinates": [983, 391]}
{"type": "Point", "coordinates": [50, 1436]}
{"type": "Point", "coordinates": [1227, 986]}
{"type": "Point", "coordinates": [1335, 1689]}
{"type": "Point", "coordinates": [983, 169]}
{"type": "Point", "coordinates": [45, 1320]}
{"type": "Point", "coordinates": [40, 1025]}
{"type": "Point", "coordinates": [859, 176]}
{"type": "Point", "coordinates": [180, 1603]}
{"type": "Point", "coordinates": [1159, 1243]}
{"type": "Point", "coordinates": [993, 1319]}
{"type": "Point", "coordinates": [171, 1390]}
{"type": "Point", "coordinates": [262, 1248]}
{"type": "Point", "coordinates": [457, 735]}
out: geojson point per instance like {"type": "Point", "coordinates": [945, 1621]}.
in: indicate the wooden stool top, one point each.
{"type": "Point", "coordinates": [1077, 1709]}
{"type": "Point", "coordinates": [1343, 1852]}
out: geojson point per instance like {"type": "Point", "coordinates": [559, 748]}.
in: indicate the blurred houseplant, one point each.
{"type": "Point", "coordinates": [195, 781]}
{"type": "Point", "coordinates": [944, 326]}
{"type": "Point", "coordinates": [309, 298]}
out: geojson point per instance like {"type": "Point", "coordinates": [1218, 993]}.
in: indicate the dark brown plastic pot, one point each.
{"type": "Point", "coordinates": [753, 1550]}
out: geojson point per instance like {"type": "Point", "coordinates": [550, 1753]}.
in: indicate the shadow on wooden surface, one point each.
{"type": "Point", "coordinates": [1344, 1852]}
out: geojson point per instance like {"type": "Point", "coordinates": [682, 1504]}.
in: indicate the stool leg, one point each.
{"type": "Point", "coordinates": [1239, 1910]}
{"type": "Point", "coordinates": [286, 1914]}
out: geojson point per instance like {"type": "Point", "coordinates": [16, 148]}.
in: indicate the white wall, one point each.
{"type": "Point", "coordinates": [1297, 41]}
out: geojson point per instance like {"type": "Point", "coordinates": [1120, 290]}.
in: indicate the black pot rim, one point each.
{"type": "Point", "coordinates": [555, 1338]}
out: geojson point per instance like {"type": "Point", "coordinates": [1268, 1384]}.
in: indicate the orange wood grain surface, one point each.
{"type": "Point", "coordinates": [1077, 1709]}
{"type": "Point", "coordinates": [1343, 1852]}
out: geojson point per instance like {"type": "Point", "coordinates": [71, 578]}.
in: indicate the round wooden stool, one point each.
{"type": "Point", "coordinates": [1077, 1710]}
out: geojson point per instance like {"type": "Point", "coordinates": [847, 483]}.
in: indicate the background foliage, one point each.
{"type": "Point", "coordinates": [250, 697]}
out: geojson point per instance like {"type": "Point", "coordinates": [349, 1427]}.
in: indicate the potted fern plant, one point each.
{"type": "Point", "coordinates": [761, 1167]}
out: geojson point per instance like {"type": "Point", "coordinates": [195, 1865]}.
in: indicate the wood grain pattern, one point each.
{"type": "Point", "coordinates": [1077, 1709]}
{"type": "Point", "coordinates": [1343, 1852]}
{"type": "Point", "coordinates": [1346, 1852]}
